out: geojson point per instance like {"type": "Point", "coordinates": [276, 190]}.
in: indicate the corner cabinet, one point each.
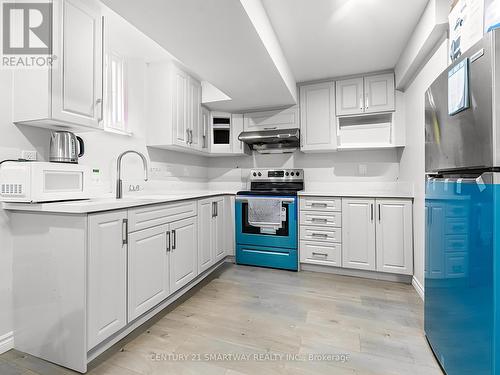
{"type": "Point", "coordinates": [173, 108]}
{"type": "Point", "coordinates": [317, 117]}
{"type": "Point", "coordinates": [212, 241]}
{"type": "Point", "coordinates": [368, 94]}
{"type": "Point", "coordinates": [68, 94]}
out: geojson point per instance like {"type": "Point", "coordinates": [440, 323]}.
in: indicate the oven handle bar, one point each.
{"type": "Point", "coordinates": [284, 200]}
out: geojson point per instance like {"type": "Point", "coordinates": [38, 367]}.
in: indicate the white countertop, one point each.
{"type": "Point", "coordinates": [107, 204]}
{"type": "Point", "coordinates": [361, 190]}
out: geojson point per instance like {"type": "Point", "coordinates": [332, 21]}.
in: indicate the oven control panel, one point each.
{"type": "Point", "coordinates": [277, 175]}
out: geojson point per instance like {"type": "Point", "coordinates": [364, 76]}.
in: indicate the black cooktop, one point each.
{"type": "Point", "coordinates": [274, 193]}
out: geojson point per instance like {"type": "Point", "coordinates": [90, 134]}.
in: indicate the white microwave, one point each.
{"type": "Point", "coordinates": [33, 182]}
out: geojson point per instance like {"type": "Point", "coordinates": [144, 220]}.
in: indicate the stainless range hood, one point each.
{"type": "Point", "coordinates": [278, 141]}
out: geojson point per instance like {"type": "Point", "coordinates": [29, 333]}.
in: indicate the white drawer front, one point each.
{"type": "Point", "coordinates": [321, 253]}
{"type": "Point", "coordinates": [330, 219]}
{"type": "Point", "coordinates": [150, 216]}
{"type": "Point", "coordinates": [321, 204]}
{"type": "Point", "coordinates": [323, 234]}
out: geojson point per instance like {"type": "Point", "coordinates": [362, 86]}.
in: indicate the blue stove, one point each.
{"type": "Point", "coordinates": [278, 248]}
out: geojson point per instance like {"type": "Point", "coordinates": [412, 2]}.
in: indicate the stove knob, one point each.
{"type": "Point", "coordinates": [254, 174]}
{"type": "Point", "coordinates": [287, 174]}
{"type": "Point", "coordinates": [292, 174]}
{"type": "Point", "coordinates": [297, 173]}
{"type": "Point", "coordinates": [260, 174]}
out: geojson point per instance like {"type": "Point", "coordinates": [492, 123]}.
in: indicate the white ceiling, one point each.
{"type": "Point", "coordinates": [332, 38]}
{"type": "Point", "coordinates": [217, 41]}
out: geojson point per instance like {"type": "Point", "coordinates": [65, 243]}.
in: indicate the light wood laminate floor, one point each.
{"type": "Point", "coordinates": [250, 320]}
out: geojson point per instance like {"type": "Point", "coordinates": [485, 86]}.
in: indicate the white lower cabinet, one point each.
{"type": "Point", "coordinates": [183, 253]}
{"type": "Point", "coordinates": [394, 236]}
{"type": "Point", "coordinates": [107, 276]}
{"type": "Point", "coordinates": [358, 232]}
{"type": "Point", "coordinates": [212, 242]}
{"type": "Point", "coordinates": [219, 239]}
{"type": "Point", "coordinates": [378, 235]}
{"type": "Point", "coordinates": [373, 234]}
{"type": "Point", "coordinates": [321, 253]}
{"type": "Point", "coordinates": [148, 269]}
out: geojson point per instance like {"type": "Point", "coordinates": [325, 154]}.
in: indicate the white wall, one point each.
{"type": "Point", "coordinates": [413, 155]}
{"type": "Point", "coordinates": [320, 170]}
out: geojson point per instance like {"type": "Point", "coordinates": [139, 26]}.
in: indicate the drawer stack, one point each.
{"type": "Point", "coordinates": [320, 233]}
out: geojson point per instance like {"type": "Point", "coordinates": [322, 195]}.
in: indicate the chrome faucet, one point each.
{"type": "Point", "coordinates": [119, 183]}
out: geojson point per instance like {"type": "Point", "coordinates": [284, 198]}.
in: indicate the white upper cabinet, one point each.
{"type": "Point", "coordinates": [194, 114]}
{"type": "Point", "coordinates": [236, 129]}
{"type": "Point", "coordinates": [369, 94]}
{"type": "Point", "coordinates": [350, 97]}
{"type": "Point", "coordinates": [394, 236]}
{"type": "Point", "coordinates": [271, 120]}
{"type": "Point", "coordinates": [70, 92]}
{"type": "Point", "coordinates": [205, 129]}
{"type": "Point", "coordinates": [148, 269]}
{"type": "Point", "coordinates": [184, 252]}
{"type": "Point", "coordinates": [179, 98]}
{"type": "Point", "coordinates": [107, 276]}
{"type": "Point", "coordinates": [173, 109]}
{"type": "Point", "coordinates": [358, 233]}
{"type": "Point", "coordinates": [379, 93]}
{"type": "Point", "coordinates": [317, 117]}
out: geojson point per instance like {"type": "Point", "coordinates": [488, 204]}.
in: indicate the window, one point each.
{"type": "Point", "coordinates": [116, 116]}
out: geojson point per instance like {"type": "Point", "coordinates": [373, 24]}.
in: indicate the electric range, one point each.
{"type": "Point", "coordinates": [277, 248]}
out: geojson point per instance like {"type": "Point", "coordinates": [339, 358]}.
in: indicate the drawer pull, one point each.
{"type": "Point", "coordinates": [319, 220]}
{"type": "Point", "coordinates": [314, 254]}
{"type": "Point", "coordinates": [324, 205]}
{"type": "Point", "coordinates": [325, 235]}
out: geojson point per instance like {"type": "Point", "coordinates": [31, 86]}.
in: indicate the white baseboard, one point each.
{"type": "Point", "coordinates": [6, 342]}
{"type": "Point", "coordinates": [418, 287]}
{"type": "Point", "coordinates": [405, 279]}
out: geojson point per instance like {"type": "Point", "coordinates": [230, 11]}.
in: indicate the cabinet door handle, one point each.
{"type": "Point", "coordinates": [371, 209]}
{"type": "Point", "coordinates": [272, 128]}
{"type": "Point", "coordinates": [314, 234]}
{"type": "Point", "coordinates": [125, 232]}
{"type": "Point", "coordinates": [216, 205]}
{"type": "Point", "coordinates": [314, 254]}
{"type": "Point", "coordinates": [379, 213]}
{"type": "Point", "coordinates": [366, 102]}
{"type": "Point", "coordinates": [100, 116]}
{"type": "Point", "coordinates": [361, 104]}
{"type": "Point", "coordinates": [191, 133]}
{"type": "Point", "coordinates": [319, 205]}
{"type": "Point", "coordinates": [319, 219]}
{"type": "Point", "coordinates": [174, 240]}
{"type": "Point", "coordinates": [213, 209]}
{"type": "Point", "coordinates": [168, 241]}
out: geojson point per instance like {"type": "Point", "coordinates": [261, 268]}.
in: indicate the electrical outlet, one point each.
{"type": "Point", "coordinates": [29, 155]}
{"type": "Point", "coordinates": [362, 169]}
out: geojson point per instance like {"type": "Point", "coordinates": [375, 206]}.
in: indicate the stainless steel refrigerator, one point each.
{"type": "Point", "coordinates": [462, 244]}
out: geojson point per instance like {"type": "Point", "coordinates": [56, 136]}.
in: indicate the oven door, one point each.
{"type": "Point", "coordinates": [285, 237]}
